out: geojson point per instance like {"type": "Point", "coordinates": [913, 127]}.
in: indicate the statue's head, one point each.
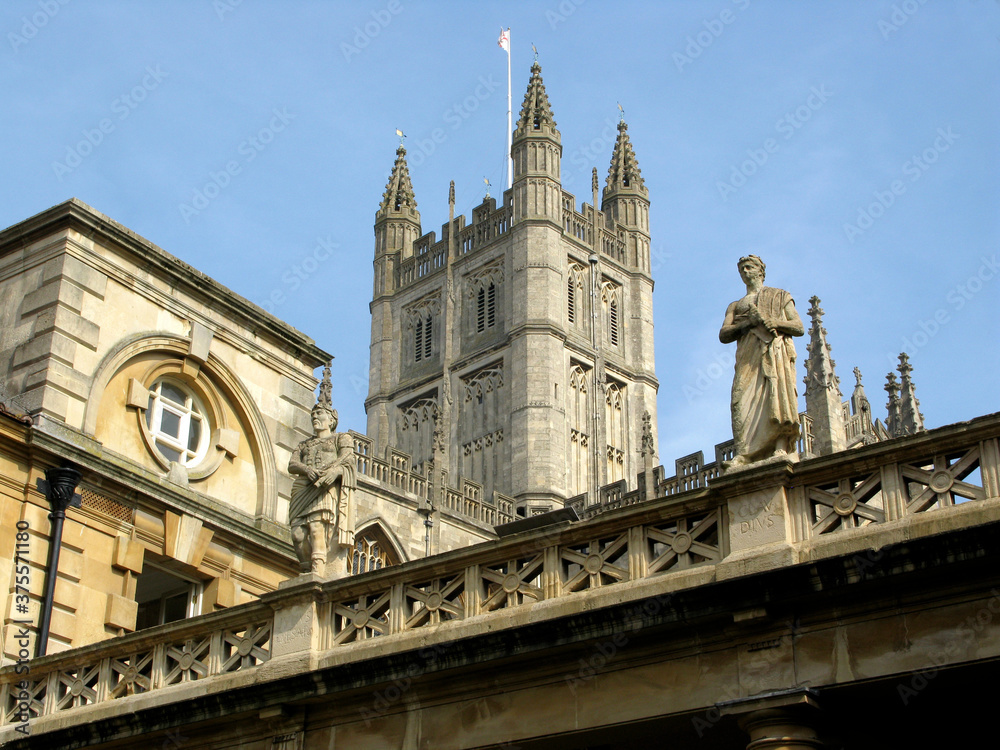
{"type": "Point", "coordinates": [323, 415]}
{"type": "Point", "coordinates": [751, 261]}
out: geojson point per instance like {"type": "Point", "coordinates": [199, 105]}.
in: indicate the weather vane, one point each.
{"type": "Point", "coordinates": [487, 181]}
{"type": "Point", "coordinates": [535, 50]}
{"type": "Point", "coordinates": [621, 112]}
{"type": "Point", "coordinates": [401, 135]}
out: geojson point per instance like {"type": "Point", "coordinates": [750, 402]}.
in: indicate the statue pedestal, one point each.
{"type": "Point", "coordinates": [730, 467]}
{"type": "Point", "coordinates": [336, 568]}
{"type": "Point", "coordinates": [337, 564]}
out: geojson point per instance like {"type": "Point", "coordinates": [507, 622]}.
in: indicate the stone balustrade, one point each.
{"type": "Point", "coordinates": [781, 514]}
{"type": "Point", "coordinates": [222, 643]}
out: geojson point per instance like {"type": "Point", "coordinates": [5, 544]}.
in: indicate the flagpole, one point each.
{"type": "Point", "coordinates": [510, 160]}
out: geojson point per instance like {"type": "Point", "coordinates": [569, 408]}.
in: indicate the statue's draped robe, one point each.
{"type": "Point", "coordinates": [765, 401]}
{"type": "Point", "coordinates": [333, 458]}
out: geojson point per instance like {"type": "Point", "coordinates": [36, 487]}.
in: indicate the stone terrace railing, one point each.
{"type": "Point", "coordinates": [398, 473]}
{"type": "Point", "coordinates": [912, 487]}
{"type": "Point", "coordinates": [225, 642]}
{"type": "Point", "coordinates": [926, 473]}
{"type": "Point", "coordinates": [506, 575]}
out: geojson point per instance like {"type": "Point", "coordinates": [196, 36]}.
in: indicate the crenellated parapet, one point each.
{"type": "Point", "coordinates": [397, 474]}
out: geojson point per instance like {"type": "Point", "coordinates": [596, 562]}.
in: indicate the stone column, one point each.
{"type": "Point", "coordinates": [780, 729]}
{"type": "Point", "coordinates": [784, 720]}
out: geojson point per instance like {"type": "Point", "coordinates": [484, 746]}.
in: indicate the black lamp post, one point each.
{"type": "Point", "coordinates": [59, 487]}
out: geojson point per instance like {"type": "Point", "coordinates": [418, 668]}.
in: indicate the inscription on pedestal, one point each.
{"type": "Point", "coordinates": [757, 518]}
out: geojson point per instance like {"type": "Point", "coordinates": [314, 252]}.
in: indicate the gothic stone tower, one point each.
{"type": "Point", "coordinates": [517, 350]}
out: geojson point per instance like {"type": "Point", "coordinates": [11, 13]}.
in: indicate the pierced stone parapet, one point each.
{"type": "Point", "coordinates": [237, 640]}
{"type": "Point", "coordinates": [830, 507]}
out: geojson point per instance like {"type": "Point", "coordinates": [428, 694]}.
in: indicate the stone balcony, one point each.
{"type": "Point", "coordinates": [851, 505]}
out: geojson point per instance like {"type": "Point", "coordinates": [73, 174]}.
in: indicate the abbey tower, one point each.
{"type": "Point", "coordinates": [516, 351]}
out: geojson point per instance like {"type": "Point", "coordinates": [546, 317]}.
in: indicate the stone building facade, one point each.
{"type": "Point", "coordinates": [180, 403]}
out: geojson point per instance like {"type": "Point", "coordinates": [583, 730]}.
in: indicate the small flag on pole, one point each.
{"type": "Point", "coordinates": [504, 40]}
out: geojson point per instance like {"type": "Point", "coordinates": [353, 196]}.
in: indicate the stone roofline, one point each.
{"type": "Point", "coordinates": [89, 222]}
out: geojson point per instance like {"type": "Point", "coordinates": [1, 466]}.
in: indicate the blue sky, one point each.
{"type": "Point", "coordinates": [852, 145]}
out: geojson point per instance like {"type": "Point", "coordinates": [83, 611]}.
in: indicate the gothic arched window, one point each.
{"type": "Point", "coordinates": [428, 337]}
{"type": "Point", "coordinates": [372, 551]}
{"type": "Point", "coordinates": [611, 298]}
{"type": "Point", "coordinates": [486, 307]}
{"type": "Point", "coordinates": [613, 322]}
{"type": "Point", "coordinates": [579, 416]}
{"type": "Point", "coordinates": [418, 318]}
{"type": "Point", "coordinates": [617, 434]}
{"type": "Point", "coordinates": [574, 294]}
{"type": "Point", "coordinates": [484, 298]}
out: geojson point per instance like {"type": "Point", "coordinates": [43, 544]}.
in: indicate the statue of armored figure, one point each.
{"type": "Point", "coordinates": [321, 511]}
{"type": "Point", "coordinates": [764, 398]}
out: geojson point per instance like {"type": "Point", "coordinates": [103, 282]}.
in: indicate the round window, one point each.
{"type": "Point", "coordinates": [177, 423]}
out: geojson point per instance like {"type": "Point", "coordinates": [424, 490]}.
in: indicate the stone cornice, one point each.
{"type": "Point", "coordinates": [66, 444]}
{"type": "Point", "coordinates": [78, 216]}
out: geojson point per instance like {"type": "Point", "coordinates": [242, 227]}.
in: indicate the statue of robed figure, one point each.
{"type": "Point", "coordinates": [764, 397]}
